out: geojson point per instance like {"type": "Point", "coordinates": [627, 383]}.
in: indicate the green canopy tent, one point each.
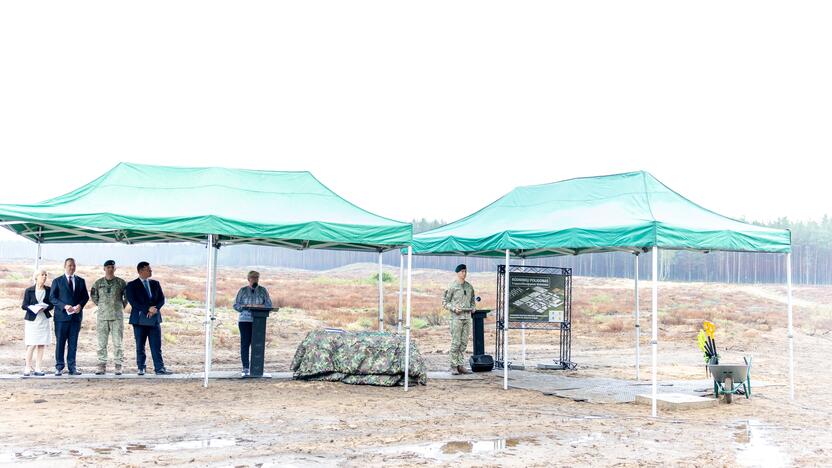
{"type": "Point", "coordinates": [630, 212]}
{"type": "Point", "coordinates": [135, 203]}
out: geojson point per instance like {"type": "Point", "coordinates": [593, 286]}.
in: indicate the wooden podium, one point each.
{"type": "Point", "coordinates": [258, 340]}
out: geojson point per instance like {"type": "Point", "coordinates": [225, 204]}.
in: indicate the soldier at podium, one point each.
{"type": "Point", "coordinates": [251, 295]}
{"type": "Point", "coordinates": [459, 301]}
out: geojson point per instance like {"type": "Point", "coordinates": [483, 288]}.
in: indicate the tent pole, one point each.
{"type": "Point", "coordinates": [401, 283]}
{"type": "Point", "coordinates": [790, 331]}
{"type": "Point", "coordinates": [654, 343]}
{"type": "Point", "coordinates": [207, 322]}
{"type": "Point", "coordinates": [37, 257]}
{"type": "Point", "coordinates": [407, 324]}
{"type": "Point", "coordinates": [505, 323]}
{"type": "Point", "coordinates": [380, 293]}
{"type": "Point", "coordinates": [638, 326]}
{"type": "Point", "coordinates": [523, 328]}
{"type": "Point", "coordinates": [210, 295]}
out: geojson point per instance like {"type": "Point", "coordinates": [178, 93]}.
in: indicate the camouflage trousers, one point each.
{"type": "Point", "coordinates": [460, 331]}
{"type": "Point", "coordinates": [106, 329]}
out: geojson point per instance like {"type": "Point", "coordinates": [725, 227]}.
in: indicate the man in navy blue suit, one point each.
{"type": "Point", "coordinates": [69, 295]}
{"type": "Point", "coordinates": [146, 299]}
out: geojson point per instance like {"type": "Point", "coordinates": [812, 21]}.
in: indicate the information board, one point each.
{"type": "Point", "coordinates": [536, 297]}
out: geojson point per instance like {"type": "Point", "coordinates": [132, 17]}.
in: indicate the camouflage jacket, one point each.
{"type": "Point", "coordinates": [110, 297]}
{"type": "Point", "coordinates": [459, 296]}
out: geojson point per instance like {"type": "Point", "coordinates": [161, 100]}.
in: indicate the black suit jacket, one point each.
{"type": "Point", "coordinates": [61, 296]}
{"type": "Point", "coordinates": [141, 303]}
{"type": "Point", "coordinates": [29, 298]}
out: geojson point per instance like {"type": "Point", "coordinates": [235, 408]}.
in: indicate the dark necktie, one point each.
{"type": "Point", "coordinates": [71, 287]}
{"type": "Point", "coordinates": [147, 288]}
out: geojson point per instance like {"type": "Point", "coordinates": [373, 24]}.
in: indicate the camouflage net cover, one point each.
{"type": "Point", "coordinates": [366, 358]}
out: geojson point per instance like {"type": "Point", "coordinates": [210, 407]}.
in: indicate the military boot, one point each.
{"type": "Point", "coordinates": [102, 368]}
{"type": "Point", "coordinates": [463, 370]}
{"type": "Point", "coordinates": [118, 369]}
{"type": "Point", "coordinates": [454, 370]}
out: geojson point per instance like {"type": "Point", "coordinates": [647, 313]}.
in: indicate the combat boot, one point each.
{"type": "Point", "coordinates": [462, 369]}
{"type": "Point", "coordinates": [454, 370]}
{"type": "Point", "coordinates": [102, 368]}
{"type": "Point", "coordinates": [118, 369]}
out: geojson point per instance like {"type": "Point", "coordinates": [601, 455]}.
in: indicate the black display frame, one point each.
{"type": "Point", "coordinates": [564, 360]}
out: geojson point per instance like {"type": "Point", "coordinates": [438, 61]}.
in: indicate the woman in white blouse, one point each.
{"type": "Point", "coordinates": [37, 333]}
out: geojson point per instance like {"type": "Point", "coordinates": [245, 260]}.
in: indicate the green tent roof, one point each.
{"type": "Point", "coordinates": [622, 212]}
{"type": "Point", "coordinates": [139, 203]}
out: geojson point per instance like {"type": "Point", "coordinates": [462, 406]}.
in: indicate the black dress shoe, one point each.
{"type": "Point", "coordinates": [140, 372]}
{"type": "Point", "coordinates": [163, 371]}
{"type": "Point", "coordinates": [74, 372]}
{"type": "Point", "coordinates": [58, 372]}
{"type": "Point", "coordinates": [38, 374]}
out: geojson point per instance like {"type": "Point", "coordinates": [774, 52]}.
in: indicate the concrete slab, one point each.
{"type": "Point", "coordinates": [604, 390]}
{"type": "Point", "coordinates": [677, 401]}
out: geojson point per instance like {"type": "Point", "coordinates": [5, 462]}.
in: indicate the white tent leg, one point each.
{"type": "Point", "coordinates": [790, 331]}
{"type": "Point", "coordinates": [38, 257]}
{"type": "Point", "coordinates": [401, 283]}
{"type": "Point", "coordinates": [210, 297]}
{"type": "Point", "coordinates": [654, 343]}
{"type": "Point", "coordinates": [380, 293]}
{"type": "Point", "coordinates": [523, 330]}
{"type": "Point", "coordinates": [407, 325]}
{"type": "Point", "coordinates": [505, 323]}
{"type": "Point", "coordinates": [638, 325]}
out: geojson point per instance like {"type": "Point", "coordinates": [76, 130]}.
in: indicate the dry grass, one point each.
{"type": "Point", "coordinates": [615, 325]}
{"type": "Point", "coordinates": [348, 299]}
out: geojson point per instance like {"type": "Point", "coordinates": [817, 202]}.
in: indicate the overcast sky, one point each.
{"type": "Point", "coordinates": [427, 109]}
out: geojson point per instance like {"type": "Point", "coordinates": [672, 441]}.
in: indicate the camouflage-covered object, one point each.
{"type": "Point", "coordinates": [367, 358]}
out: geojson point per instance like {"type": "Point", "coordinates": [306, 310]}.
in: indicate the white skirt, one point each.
{"type": "Point", "coordinates": [38, 331]}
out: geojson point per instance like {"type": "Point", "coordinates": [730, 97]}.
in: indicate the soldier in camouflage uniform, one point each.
{"type": "Point", "coordinates": [109, 294]}
{"type": "Point", "coordinates": [459, 300]}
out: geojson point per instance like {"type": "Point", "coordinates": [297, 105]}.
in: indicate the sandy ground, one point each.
{"type": "Point", "coordinates": [448, 422]}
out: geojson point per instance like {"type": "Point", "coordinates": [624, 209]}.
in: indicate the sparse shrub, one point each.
{"type": "Point", "coordinates": [194, 296]}
{"type": "Point", "coordinates": [179, 300]}
{"type": "Point", "coordinates": [18, 286]}
{"type": "Point", "coordinates": [385, 278]}
{"type": "Point", "coordinates": [615, 325]}
{"type": "Point", "coordinates": [417, 323]}
{"type": "Point", "coordinates": [224, 301]}
{"type": "Point", "coordinates": [437, 318]}
{"type": "Point", "coordinates": [673, 318]}
{"type": "Point", "coordinates": [391, 315]}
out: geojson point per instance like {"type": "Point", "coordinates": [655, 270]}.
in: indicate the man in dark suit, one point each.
{"type": "Point", "coordinates": [69, 296]}
{"type": "Point", "coordinates": [146, 299]}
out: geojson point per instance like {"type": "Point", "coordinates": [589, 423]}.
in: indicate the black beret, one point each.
{"type": "Point", "coordinates": [460, 267]}
{"type": "Point", "coordinates": [110, 262]}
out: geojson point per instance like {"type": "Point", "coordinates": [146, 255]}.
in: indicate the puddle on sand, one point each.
{"type": "Point", "coordinates": [756, 448]}
{"type": "Point", "coordinates": [34, 455]}
{"type": "Point", "coordinates": [196, 444]}
{"type": "Point", "coordinates": [442, 450]}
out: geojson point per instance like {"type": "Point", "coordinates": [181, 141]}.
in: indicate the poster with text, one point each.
{"type": "Point", "coordinates": [536, 297]}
